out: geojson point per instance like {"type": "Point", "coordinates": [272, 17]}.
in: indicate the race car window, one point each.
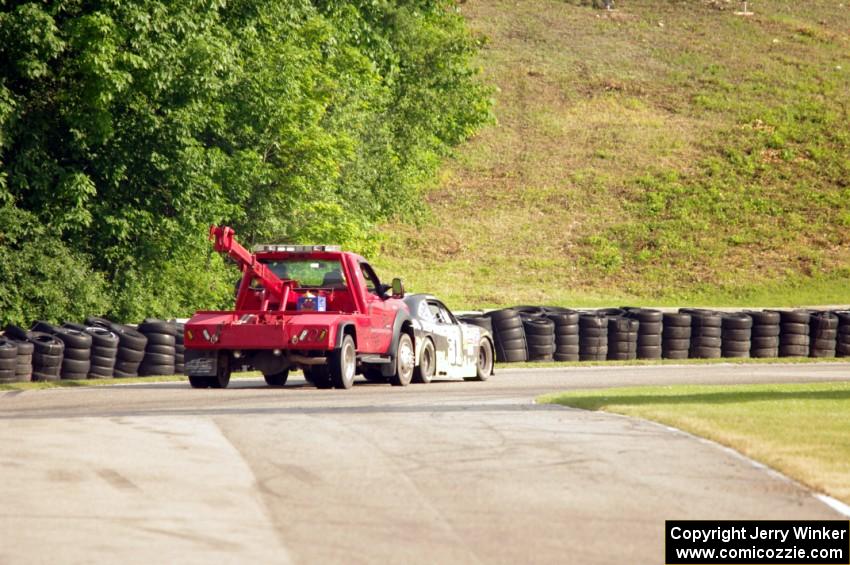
{"type": "Point", "coordinates": [438, 311]}
{"type": "Point", "coordinates": [424, 312]}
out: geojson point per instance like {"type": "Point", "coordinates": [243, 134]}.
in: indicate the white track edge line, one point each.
{"type": "Point", "coordinates": [833, 503]}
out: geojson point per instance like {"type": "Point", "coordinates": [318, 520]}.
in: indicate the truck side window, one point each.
{"type": "Point", "coordinates": [372, 282]}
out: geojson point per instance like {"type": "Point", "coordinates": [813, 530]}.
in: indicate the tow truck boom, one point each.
{"type": "Point", "coordinates": [275, 289]}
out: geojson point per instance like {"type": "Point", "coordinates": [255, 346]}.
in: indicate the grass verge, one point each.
{"type": "Point", "coordinates": [662, 153]}
{"type": "Point", "coordinates": [799, 429]}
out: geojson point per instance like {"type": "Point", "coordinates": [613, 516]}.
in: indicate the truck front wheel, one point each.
{"type": "Point", "coordinates": [405, 360]}
{"type": "Point", "coordinates": [342, 363]}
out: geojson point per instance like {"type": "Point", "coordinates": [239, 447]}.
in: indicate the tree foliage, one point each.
{"type": "Point", "coordinates": [127, 127]}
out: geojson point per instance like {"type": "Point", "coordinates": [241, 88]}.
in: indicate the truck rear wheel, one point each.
{"type": "Point", "coordinates": [342, 364]}
{"type": "Point", "coordinates": [199, 382]}
{"type": "Point", "coordinates": [374, 374]}
{"type": "Point", "coordinates": [318, 375]}
{"type": "Point", "coordinates": [277, 379]}
{"type": "Point", "coordinates": [405, 360]}
{"type": "Point", "coordinates": [222, 372]}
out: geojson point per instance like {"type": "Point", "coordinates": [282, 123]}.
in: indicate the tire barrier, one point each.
{"type": "Point", "coordinates": [736, 335]}
{"type": "Point", "coordinates": [676, 336]}
{"type": "Point", "coordinates": [539, 337]}
{"type": "Point", "coordinates": [823, 334]}
{"type": "Point", "coordinates": [608, 312]}
{"type": "Point", "coordinates": [509, 335]}
{"type": "Point", "coordinates": [131, 350]}
{"type": "Point", "coordinates": [706, 333]}
{"type": "Point", "coordinates": [8, 360]}
{"type": "Point", "coordinates": [764, 343]}
{"type": "Point", "coordinates": [622, 338]}
{"type": "Point", "coordinates": [794, 333]}
{"type": "Point", "coordinates": [98, 322]}
{"type": "Point", "coordinates": [160, 350]}
{"type": "Point", "coordinates": [96, 349]}
{"type": "Point", "coordinates": [842, 347]}
{"type": "Point", "coordinates": [566, 333]}
{"type": "Point", "coordinates": [104, 350]}
{"type": "Point", "coordinates": [538, 311]}
{"type": "Point", "coordinates": [593, 337]}
{"type": "Point", "coordinates": [480, 321]}
{"type": "Point", "coordinates": [47, 352]}
{"type": "Point", "coordinates": [650, 331]}
{"type": "Point", "coordinates": [76, 357]}
{"type": "Point", "coordinates": [23, 362]}
{"type": "Point", "coordinates": [100, 348]}
{"type": "Point", "coordinates": [180, 350]}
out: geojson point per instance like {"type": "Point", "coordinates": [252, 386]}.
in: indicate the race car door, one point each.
{"type": "Point", "coordinates": [448, 328]}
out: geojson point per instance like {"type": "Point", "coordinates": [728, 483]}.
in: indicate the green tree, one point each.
{"type": "Point", "coordinates": [126, 128]}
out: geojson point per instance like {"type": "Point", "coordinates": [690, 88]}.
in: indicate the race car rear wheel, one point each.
{"type": "Point", "coordinates": [277, 379]}
{"type": "Point", "coordinates": [485, 360]}
{"type": "Point", "coordinates": [424, 372]}
{"type": "Point", "coordinates": [342, 364]}
{"type": "Point", "coordinates": [405, 360]}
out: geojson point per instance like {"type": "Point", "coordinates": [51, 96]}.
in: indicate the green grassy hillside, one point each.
{"type": "Point", "coordinates": [666, 152]}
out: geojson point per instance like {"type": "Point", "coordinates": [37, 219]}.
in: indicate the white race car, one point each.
{"type": "Point", "coordinates": [446, 347]}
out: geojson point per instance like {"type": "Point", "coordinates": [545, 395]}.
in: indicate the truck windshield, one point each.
{"type": "Point", "coordinates": [309, 273]}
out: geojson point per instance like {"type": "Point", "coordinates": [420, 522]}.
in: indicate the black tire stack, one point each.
{"type": "Point", "coordinates": [160, 352]}
{"type": "Point", "coordinates": [509, 335]}
{"type": "Point", "coordinates": [794, 333]}
{"type": "Point", "coordinates": [736, 335]}
{"type": "Point", "coordinates": [676, 335]}
{"type": "Point", "coordinates": [764, 343]}
{"type": "Point", "coordinates": [47, 352]}
{"type": "Point", "coordinates": [622, 338]}
{"type": "Point", "coordinates": [842, 348]}
{"type": "Point", "coordinates": [480, 321]}
{"type": "Point", "coordinates": [76, 357]}
{"type": "Point", "coordinates": [131, 347]}
{"type": "Point", "coordinates": [104, 350]}
{"type": "Point", "coordinates": [649, 332]}
{"type": "Point", "coordinates": [823, 334]}
{"type": "Point", "coordinates": [566, 333]}
{"type": "Point", "coordinates": [8, 360]}
{"type": "Point", "coordinates": [23, 367]}
{"type": "Point", "coordinates": [539, 337]}
{"type": "Point", "coordinates": [593, 337]}
{"type": "Point", "coordinates": [180, 350]}
{"type": "Point", "coordinates": [706, 334]}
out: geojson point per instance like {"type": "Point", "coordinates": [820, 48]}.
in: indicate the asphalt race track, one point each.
{"type": "Point", "coordinates": [450, 472]}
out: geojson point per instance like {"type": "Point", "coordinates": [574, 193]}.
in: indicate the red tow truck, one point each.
{"type": "Point", "coordinates": [311, 307]}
